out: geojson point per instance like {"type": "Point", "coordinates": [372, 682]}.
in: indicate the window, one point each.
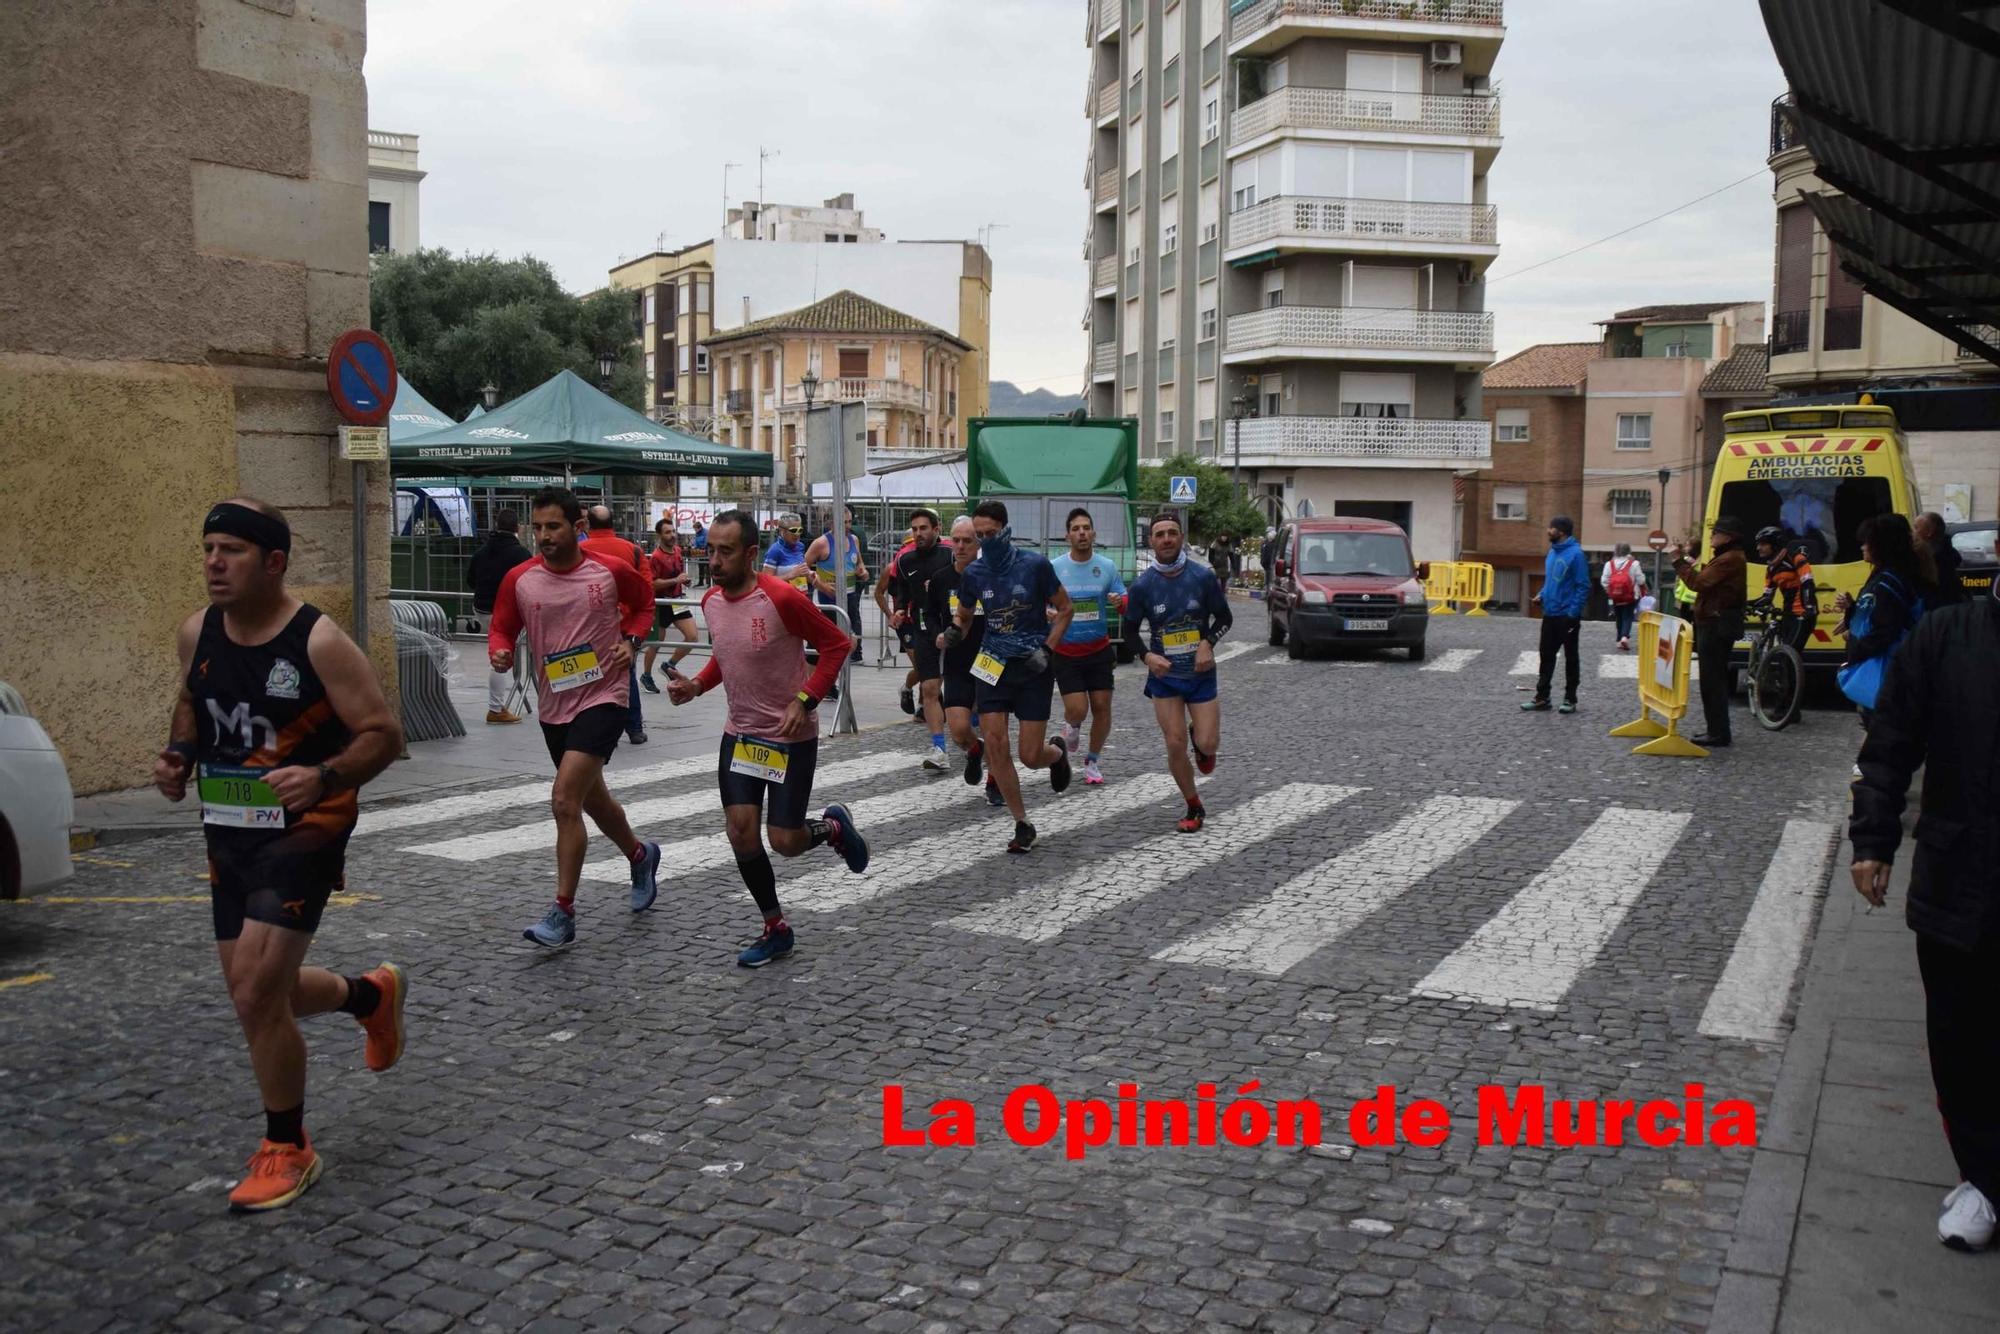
{"type": "Point", "coordinates": [378, 227]}
{"type": "Point", "coordinates": [1377, 394]}
{"type": "Point", "coordinates": [831, 236]}
{"type": "Point", "coordinates": [1271, 391]}
{"type": "Point", "coordinates": [1631, 509]}
{"type": "Point", "coordinates": [850, 237]}
{"type": "Point", "coordinates": [1166, 427]}
{"type": "Point", "coordinates": [1205, 429]}
{"type": "Point", "coordinates": [649, 306]}
{"type": "Point", "coordinates": [892, 361]}
{"type": "Point", "coordinates": [1274, 288]}
{"type": "Point", "coordinates": [1169, 238]}
{"type": "Point", "coordinates": [1510, 427]}
{"type": "Point", "coordinates": [684, 359]}
{"type": "Point", "coordinates": [853, 363]}
{"type": "Point", "coordinates": [1840, 327]}
{"type": "Point", "coordinates": [1635, 430]}
{"type": "Point", "coordinates": [1166, 349]}
{"type": "Point", "coordinates": [1826, 511]}
{"type": "Point", "coordinates": [1510, 503]}
{"type": "Point", "coordinates": [650, 376]}
{"type": "Point", "coordinates": [1676, 350]}
{"type": "Point", "coordinates": [1170, 129]}
{"type": "Point", "coordinates": [1207, 324]}
{"type": "Point", "coordinates": [701, 361]}
{"type": "Point", "coordinates": [1211, 119]}
{"type": "Point", "coordinates": [1207, 232]}
{"type": "Point", "coordinates": [1791, 321]}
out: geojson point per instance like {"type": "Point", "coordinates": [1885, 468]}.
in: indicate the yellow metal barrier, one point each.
{"type": "Point", "coordinates": [1439, 585]}
{"type": "Point", "coordinates": [1472, 583]}
{"type": "Point", "coordinates": [1666, 646]}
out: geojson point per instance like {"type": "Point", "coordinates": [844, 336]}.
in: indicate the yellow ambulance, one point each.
{"type": "Point", "coordinates": [1816, 472]}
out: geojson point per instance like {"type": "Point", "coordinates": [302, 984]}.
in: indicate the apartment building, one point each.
{"type": "Point", "coordinates": [1535, 401]}
{"type": "Point", "coordinates": [393, 181]}
{"type": "Point", "coordinates": [675, 292]}
{"type": "Point", "coordinates": [836, 222]}
{"type": "Point", "coordinates": [1289, 226]}
{"type": "Point", "coordinates": [908, 372]}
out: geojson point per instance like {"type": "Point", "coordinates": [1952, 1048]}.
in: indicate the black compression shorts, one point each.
{"type": "Point", "coordinates": [790, 801]}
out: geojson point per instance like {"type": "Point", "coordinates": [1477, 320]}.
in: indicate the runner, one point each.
{"type": "Point", "coordinates": [905, 632]}
{"type": "Point", "coordinates": [601, 538]}
{"type": "Point", "coordinates": [1016, 588]}
{"type": "Point", "coordinates": [786, 558]}
{"type": "Point", "coordinates": [586, 612]}
{"type": "Point", "coordinates": [957, 690]}
{"type": "Point", "coordinates": [758, 626]}
{"type": "Point", "coordinates": [1085, 659]}
{"type": "Point", "coordinates": [668, 570]}
{"type": "Point", "coordinates": [279, 720]}
{"type": "Point", "coordinates": [820, 556]}
{"type": "Point", "coordinates": [1188, 611]}
{"type": "Point", "coordinates": [910, 575]}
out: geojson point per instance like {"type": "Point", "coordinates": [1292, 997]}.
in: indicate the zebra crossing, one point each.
{"type": "Point", "coordinates": [935, 840]}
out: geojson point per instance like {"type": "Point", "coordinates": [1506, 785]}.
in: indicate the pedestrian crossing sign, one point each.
{"type": "Point", "coordinates": [1180, 490]}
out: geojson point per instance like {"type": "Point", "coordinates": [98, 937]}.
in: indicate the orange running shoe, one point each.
{"type": "Point", "coordinates": [277, 1174]}
{"type": "Point", "coordinates": [385, 1026]}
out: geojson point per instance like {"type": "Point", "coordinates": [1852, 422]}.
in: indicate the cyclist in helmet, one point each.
{"type": "Point", "coordinates": [1789, 589]}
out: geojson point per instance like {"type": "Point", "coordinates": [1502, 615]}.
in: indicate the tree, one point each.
{"type": "Point", "coordinates": [459, 322]}
{"type": "Point", "coordinates": [1217, 507]}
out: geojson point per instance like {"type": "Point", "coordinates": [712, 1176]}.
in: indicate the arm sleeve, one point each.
{"type": "Point", "coordinates": [710, 675]}
{"type": "Point", "coordinates": [1135, 623]}
{"type": "Point", "coordinates": [1220, 617]}
{"type": "Point", "coordinates": [505, 627]}
{"type": "Point", "coordinates": [1893, 750]}
{"type": "Point", "coordinates": [635, 599]}
{"type": "Point", "coordinates": [803, 619]}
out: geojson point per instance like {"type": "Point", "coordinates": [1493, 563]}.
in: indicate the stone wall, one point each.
{"type": "Point", "coordinates": [185, 234]}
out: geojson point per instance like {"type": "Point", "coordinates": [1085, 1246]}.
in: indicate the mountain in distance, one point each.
{"type": "Point", "coordinates": [1005, 400]}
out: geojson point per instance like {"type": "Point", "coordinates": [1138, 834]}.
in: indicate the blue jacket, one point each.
{"type": "Point", "coordinates": [1565, 580]}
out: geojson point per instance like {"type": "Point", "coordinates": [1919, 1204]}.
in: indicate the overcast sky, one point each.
{"type": "Point", "coordinates": [585, 133]}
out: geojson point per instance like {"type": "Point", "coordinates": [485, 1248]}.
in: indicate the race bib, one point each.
{"type": "Point", "coordinates": [801, 582]}
{"type": "Point", "coordinates": [1085, 613]}
{"type": "Point", "coordinates": [1180, 643]}
{"type": "Point", "coordinates": [988, 668]}
{"type": "Point", "coordinates": [238, 797]}
{"type": "Point", "coordinates": [954, 604]}
{"type": "Point", "coordinates": [572, 667]}
{"type": "Point", "coordinates": [759, 759]}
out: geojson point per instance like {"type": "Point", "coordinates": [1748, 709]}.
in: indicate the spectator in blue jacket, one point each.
{"type": "Point", "coordinates": [1565, 590]}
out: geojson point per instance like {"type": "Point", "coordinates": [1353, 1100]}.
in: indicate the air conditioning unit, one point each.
{"type": "Point", "coordinates": [1445, 55]}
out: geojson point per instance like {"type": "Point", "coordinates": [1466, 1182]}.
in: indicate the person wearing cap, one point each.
{"type": "Point", "coordinates": [1565, 591]}
{"type": "Point", "coordinates": [1720, 589]}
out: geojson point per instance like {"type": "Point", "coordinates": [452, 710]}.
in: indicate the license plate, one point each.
{"type": "Point", "coordinates": [1352, 624]}
{"type": "Point", "coordinates": [759, 759]}
{"type": "Point", "coordinates": [238, 798]}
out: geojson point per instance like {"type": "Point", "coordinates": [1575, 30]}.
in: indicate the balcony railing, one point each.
{"type": "Point", "coordinates": [1363, 328]}
{"type": "Point", "coordinates": [1464, 444]}
{"type": "Point", "coordinates": [1104, 361]}
{"type": "Point", "coordinates": [1356, 109]}
{"type": "Point", "coordinates": [1107, 100]}
{"type": "Point", "coordinates": [1791, 331]}
{"type": "Point", "coordinates": [890, 393]}
{"type": "Point", "coordinates": [1107, 187]}
{"type": "Point", "coordinates": [1309, 218]}
{"type": "Point", "coordinates": [1480, 13]}
{"type": "Point", "coordinates": [400, 143]}
{"type": "Point", "coordinates": [736, 400]}
{"type": "Point", "coordinates": [1105, 272]}
{"type": "Point", "coordinates": [1840, 329]}
{"type": "Point", "coordinates": [1786, 133]}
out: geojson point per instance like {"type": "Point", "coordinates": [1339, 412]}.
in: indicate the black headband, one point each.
{"type": "Point", "coordinates": [253, 527]}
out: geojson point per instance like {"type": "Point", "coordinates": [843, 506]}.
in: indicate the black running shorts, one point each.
{"type": "Point", "coordinates": [930, 658]}
{"type": "Point", "coordinates": [958, 690]}
{"type": "Point", "coordinates": [790, 800]}
{"type": "Point", "coordinates": [282, 879]}
{"type": "Point", "coordinates": [595, 731]}
{"type": "Point", "coordinates": [1079, 676]}
{"type": "Point", "coordinates": [1026, 697]}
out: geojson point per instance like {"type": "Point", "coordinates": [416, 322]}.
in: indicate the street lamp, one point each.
{"type": "Point", "coordinates": [810, 383]}
{"type": "Point", "coordinates": [489, 395]}
{"type": "Point", "coordinates": [1239, 406]}
{"type": "Point", "coordinates": [1666, 474]}
{"type": "Point", "coordinates": [606, 363]}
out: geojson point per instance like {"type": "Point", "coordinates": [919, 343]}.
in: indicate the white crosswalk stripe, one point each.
{"type": "Point", "coordinates": [661, 810]}
{"type": "Point", "coordinates": [1318, 908]}
{"type": "Point", "coordinates": [1749, 1001]}
{"type": "Point", "coordinates": [1533, 950]}
{"type": "Point", "coordinates": [943, 856]}
{"type": "Point", "coordinates": [1223, 655]}
{"type": "Point", "coordinates": [526, 794]}
{"type": "Point", "coordinates": [1617, 667]}
{"type": "Point", "coordinates": [1452, 660]}
{"type": "Point", "coordinates": [1047, 910]}
{"type": "Point", "coordinates": [1528, 664]}
{"type": "Point", "coordinates": [685, 857]}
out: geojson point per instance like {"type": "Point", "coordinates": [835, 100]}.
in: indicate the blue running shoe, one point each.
{"type": "Point", "coordinates": [994, 797]}
{"type": "Point", "coordinates": [554, 931]}
{"type": "Point", "coordinates": [646, 879]}
{"type": "Point", "coordinates": [774, 944]}
{"type": "Point", "coordinates": [847, 840]}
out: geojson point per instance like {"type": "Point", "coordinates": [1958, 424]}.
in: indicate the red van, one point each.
{"type": "Point", "coordinates": [1346, 582]}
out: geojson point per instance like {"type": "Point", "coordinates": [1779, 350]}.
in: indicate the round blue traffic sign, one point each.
{"type": "Point", "coordinates": [361, 376]}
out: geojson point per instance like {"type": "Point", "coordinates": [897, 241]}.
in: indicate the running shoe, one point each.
{"type": "Point", "coordinates": [384, 1026]}
{"type": "Point", "coordinates": [1024, 837]}
{"type": "Point", "coordinates": [637, 736]}
{"type": "Point", "coordinates": [1205, 763]}
{"type": "Point", "coordinates": [846, 839]}
{"type": "Point", "coordinates": [1092, 775]}
{"type": "Point", "coordinates": [651, 686]}
{"type": "Point", "coordinates": [776, 943]}
{"type": "Point", "coordinates": [937, 761]}
{"type": "Point", "coordinates": [1191, 822]}
{"type": "Point", "coordinates": [1967, 1221]}
{"type": "Point", "coordinates": [973, 761]}
{"type": "Point", "coordinates": [1059, 771]}
{"type": "Point", "coordinates": [907, 697]}
{"type": "Point", "coordinates": [1070, 734]}
{"type": "Point", "coordinates": [276, 1175]}
{"type": "Point", "coordinates": [646, 878]}
{"type": "Point", "coordinates": [555, 931]}
{"type": "Point", "coordinates": [994, 797]}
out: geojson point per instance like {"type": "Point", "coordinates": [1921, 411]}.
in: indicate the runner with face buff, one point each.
{"type": "Point", "coordinates": [1187, 612]}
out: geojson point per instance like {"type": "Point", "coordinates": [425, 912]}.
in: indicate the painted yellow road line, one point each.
{"type": "Point", "coordinates": [25, 981]}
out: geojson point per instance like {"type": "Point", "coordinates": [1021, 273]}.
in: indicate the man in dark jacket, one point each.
{"type": "Point", "coordinates": [489, 566]}
{"type": "Point", "coordinates": [1937, 710]}
{"type": "Point", "coordinates": [1720, 588]}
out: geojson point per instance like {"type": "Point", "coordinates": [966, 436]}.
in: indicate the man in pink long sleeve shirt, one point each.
{"type": "Point", "coordinates": [584, 614]}
{"type": "Point", "coordinates": [758, 627]}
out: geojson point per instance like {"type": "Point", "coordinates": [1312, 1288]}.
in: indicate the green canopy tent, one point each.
{"type": "Point", "coordinates": [565, 424]}
{"type": "Point", "coordinates": [412, 415]}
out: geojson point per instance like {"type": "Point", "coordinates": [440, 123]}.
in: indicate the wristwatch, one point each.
{"type": "Point", "coordinates": [807, 701]}
{"type": "Point", "coordinates": [329, 778]}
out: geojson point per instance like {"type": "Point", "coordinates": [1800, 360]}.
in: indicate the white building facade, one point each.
{"type": "Point", "coordinates": [1289, 226]}
{"type": "Point", "coordinates": [393, 180]}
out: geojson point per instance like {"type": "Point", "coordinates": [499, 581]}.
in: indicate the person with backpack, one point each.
{"type": "Point", "coordinates": [1900, 580]}
{"type": "Point", "coordinates": [1624, 582]}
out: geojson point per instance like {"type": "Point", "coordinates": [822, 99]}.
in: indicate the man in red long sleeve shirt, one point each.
{"type": "Point", "coordinates": [585, 612]}
{"type": "Point", "coordinates": [758, 628]}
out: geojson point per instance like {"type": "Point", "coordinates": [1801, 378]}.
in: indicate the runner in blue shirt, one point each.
{"type": "Point", "coordinates": [1085, 658]}
{"type": "Point", "coordinates": [1016, 590]}
{"type": "Point", "coordinates": [1187, 611]}
{"type": "Point", "coordinates": [786, 558]}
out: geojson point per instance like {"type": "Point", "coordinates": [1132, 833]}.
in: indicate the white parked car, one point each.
{"type": "Point", "coordinates": [35, 806]}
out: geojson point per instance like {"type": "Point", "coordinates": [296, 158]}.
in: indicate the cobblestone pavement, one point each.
{"type": "Point", "coordinates": [1406, 881]}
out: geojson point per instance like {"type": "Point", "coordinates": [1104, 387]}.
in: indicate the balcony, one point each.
{"type": "Point", "coordinates": [1361, 333]}
{"type": "Point", "coordinates": [1106, 194]}
{"type": "Point", "coordinates": [1105, 274]}
{"type": "Point", "coordinates": [1378, 226]}
{"type": "Point", "coordinates": [1270, 25]}
{"type": "Point", "coordinates": [880, 393]}
{"type": "Point", "coordinates": [1109, 12]}
{"type": "Point", "coordinates": [1786, 132]}
{"type": "Point", "coordinates": [1107, 101]}
{"type": "Point", "coordinates": [1104, 362]}
{"type": "Point", "coordinates": [736, 400]}
{"type": "Point", "coordinates": [1401, 442]}
{"type": "Point", "coordinates": [1791, 331]}
{"type": "Point", "coordinates": [1350, 110]}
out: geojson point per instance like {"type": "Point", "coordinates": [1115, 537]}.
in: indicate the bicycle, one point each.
{"type": "Point", "coordinates": [1775, 672]}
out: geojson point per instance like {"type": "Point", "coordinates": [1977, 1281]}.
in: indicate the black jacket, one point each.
{"type": "Point", "coordinates": [489, 565]}
{"type": "Point", "coordinates": [1889, 596]}
{"type": "Point", "coordinates": [1938, 709]}
{"type": "Point", "coordinates": [1945, 556]}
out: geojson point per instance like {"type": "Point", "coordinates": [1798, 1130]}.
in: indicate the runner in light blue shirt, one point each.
{"type": "Point", "coordinates": [1085, 658]}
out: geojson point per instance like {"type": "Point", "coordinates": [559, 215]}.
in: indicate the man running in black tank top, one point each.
{"type": "Point", "coordinates": [278, 722]}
